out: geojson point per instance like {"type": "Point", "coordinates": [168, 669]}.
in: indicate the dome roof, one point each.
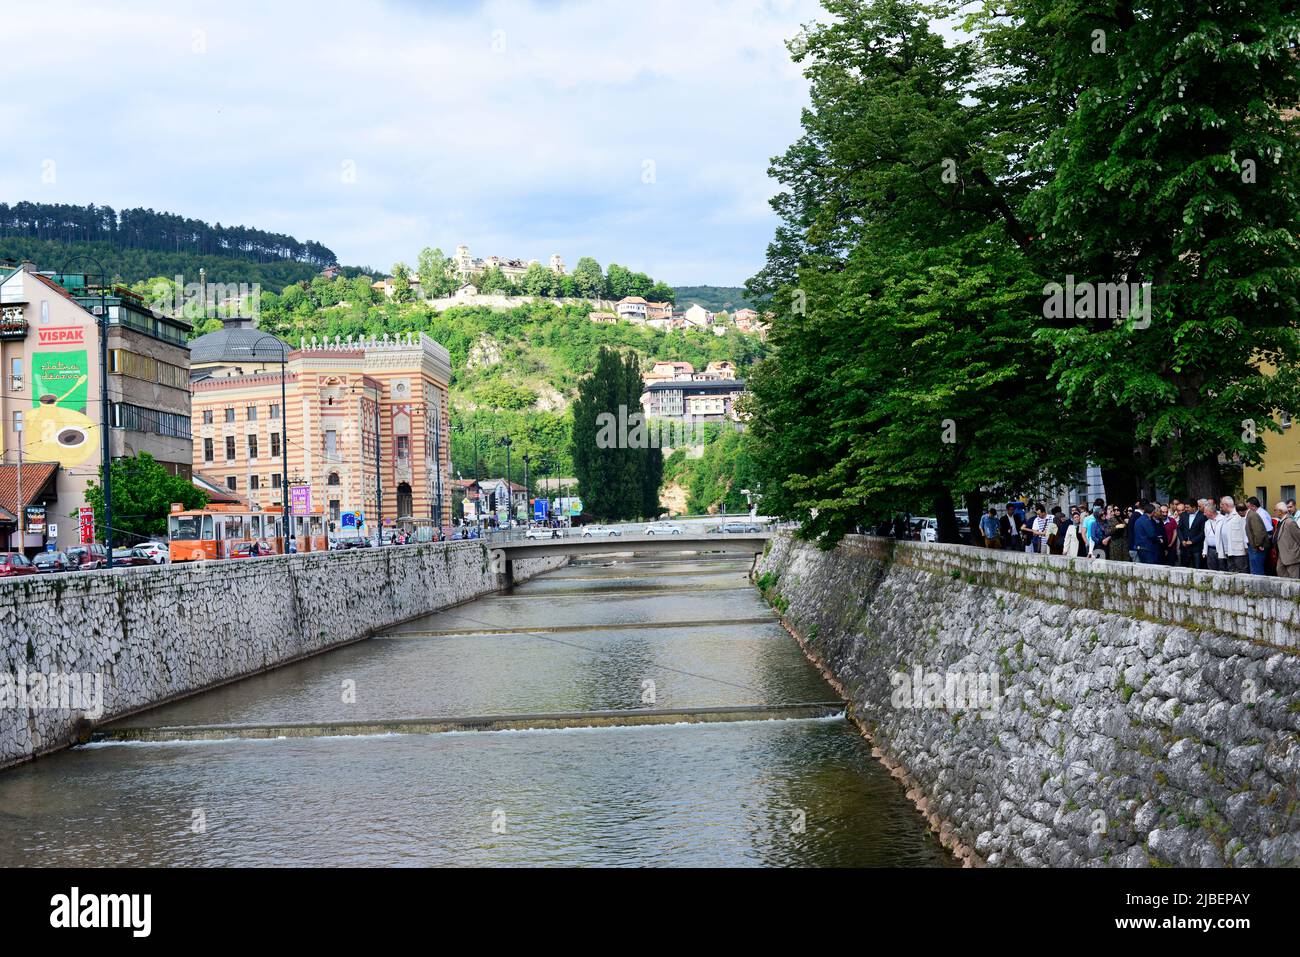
{"type": "Point", "coordinates": [232, 344]}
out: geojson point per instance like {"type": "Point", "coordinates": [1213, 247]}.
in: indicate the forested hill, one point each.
{"type": "Point", "coordinates": [714, 298]}
{"type": "Point", "coordinates": [135, 244]}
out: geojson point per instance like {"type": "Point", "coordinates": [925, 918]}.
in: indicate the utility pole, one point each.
{"type": "Point", "coordinates": [528, 500]}
{"type": "Point", "coordinates": [510, 492]}
{"type": "Point", "coordinates": [22, 511]}
{"type": "Point", "coordinates": [379, 485]}
{"type": "Point", "coordinates": [437, 457]}
{"type": "Point", "coordinates": [106, 465]}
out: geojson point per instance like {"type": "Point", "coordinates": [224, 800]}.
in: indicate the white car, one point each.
{"type": "Point", "coordinates": [662, 528]}
{"type": "Point", "coordinates": [600, 531]}
{"type": "Point", "coordinates": [156, 551]}
{"type": "Point", "coordinates": [542, 533]}
{"type": "Point", "coordinates": [929, 530]}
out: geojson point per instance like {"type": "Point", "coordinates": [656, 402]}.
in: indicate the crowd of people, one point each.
{"type": "Point", "coordinates": [1223, 536]}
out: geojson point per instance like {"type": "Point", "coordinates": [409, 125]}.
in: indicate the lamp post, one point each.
{"type": "Point", "coordinates": [528, 499]}
{"type": "Point", "coordinates": [437, 460]}
{"type": "Point", "coordinates": [284, 438]}
{"type": "Point", "coordinates": [510, 492]}
{"type": "Point", "coordinates": [106, 465]}
{"type": "Point", "coordinates": [22, 512]}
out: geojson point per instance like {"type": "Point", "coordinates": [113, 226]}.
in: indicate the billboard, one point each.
{"type": "Point", "coordinates": [86, 524]}
{"type": "Point", "coordinates": [35, 520]}
{"type": "Point", "coordinates": [300, 499]}
{"type": "Point", "coordinates": [58, 429]}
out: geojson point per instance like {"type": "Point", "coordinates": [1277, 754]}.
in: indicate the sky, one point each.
{"type": "Point", "coordinates": [633, 131]}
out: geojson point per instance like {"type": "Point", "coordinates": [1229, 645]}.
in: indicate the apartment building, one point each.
{"type": "Point", "coordinates": [50, 328]}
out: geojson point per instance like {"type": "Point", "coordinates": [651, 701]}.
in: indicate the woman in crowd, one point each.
{"type": "Point", "coordinates": [1073, 542]}
{"type": "Point", "coordinates": [1116, 540]}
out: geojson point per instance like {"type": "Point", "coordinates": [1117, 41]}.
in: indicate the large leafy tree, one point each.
{"type": "Point", "coordinates": [143, 493]}
{"type": "Point", "coordinates": [1171, 160]}
{"type": "Point", "coordinates": [437, 273]}
{"type": "Point", "coordinates": [588, 279]}
{"type": "Point", "coordinates": [905, 376]}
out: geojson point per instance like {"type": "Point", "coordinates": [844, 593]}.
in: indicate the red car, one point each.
{"type": "Point", "coordinates": [12, 564]}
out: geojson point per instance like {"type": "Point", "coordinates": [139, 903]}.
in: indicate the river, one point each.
{"type": "Point", "coordinates": [602, 636]}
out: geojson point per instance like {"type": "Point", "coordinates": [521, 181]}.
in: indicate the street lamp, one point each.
{"type": "Point", "coordinates": [528, 499]}
{"type": "Point", "coordinates": [284, 438]}
{"type": "Point", "coordinates": [107, 458]}
{"type": "Point", "coordinates": [510, 495]}
{"type": "Point", "coordinates": [22, 512]}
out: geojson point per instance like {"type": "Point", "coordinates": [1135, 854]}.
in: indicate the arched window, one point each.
{"type": "Point", "coordinates": [333, 479]}
{"type": "Point", "coordinates": [404, 500]}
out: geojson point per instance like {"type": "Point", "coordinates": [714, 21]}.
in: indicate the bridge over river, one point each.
{"type": "Point", "coordinates": [641, 709]}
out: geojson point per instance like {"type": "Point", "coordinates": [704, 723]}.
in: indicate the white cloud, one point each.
{"type": "Point", "coordinates": [518, 126]}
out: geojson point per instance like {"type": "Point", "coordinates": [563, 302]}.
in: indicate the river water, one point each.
{"type": "Point", "coordinates": [600, 636]}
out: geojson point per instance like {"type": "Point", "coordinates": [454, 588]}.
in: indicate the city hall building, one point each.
{"type": "Point", "coordinates": [367, 421]}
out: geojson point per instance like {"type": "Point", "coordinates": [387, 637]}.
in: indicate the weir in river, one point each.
{"type": "Point", "coordinates": [630, 712]}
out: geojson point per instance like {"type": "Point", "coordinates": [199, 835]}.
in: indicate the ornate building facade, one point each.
{"type": "Point", "coordinates": [367, 422]}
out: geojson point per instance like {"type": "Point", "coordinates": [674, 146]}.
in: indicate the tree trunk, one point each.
{"type": "Point", "coordinates": [1203, 478]}
{"type": "Point", "coordinates": [1121, 485]}
{"type": "Point", "coordinates": [946, 517]}
{"type": "Point", "coordinates": [975, 506]}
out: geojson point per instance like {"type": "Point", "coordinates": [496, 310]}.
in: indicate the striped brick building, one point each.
{"type": "Point", "coordinates": [345, 399]}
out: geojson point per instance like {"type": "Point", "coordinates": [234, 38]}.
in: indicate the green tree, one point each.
{"type": "Point", "coordinates": [437, 273]}
{"type": "Point", "coordinates": [661, 292]}
{"type": "Point", "coordinates": [1167, 160]}
{"type": "Point", "coordinates": [401, 282]}
{"type": "Point", "coordinates": [904, 376]}
{"type": "Point", "coordinates": [618, 470]}
{"type": "Point", "coordinates": [537, 280]}
{"type": "Point", "coordinates": [617, 281]}
{"type": "Point", "coordinates": [492, 281]}
{"type": "Point", "coordinates": [143, 493]}
{"type": "Point", "coordinates": [588, 279]}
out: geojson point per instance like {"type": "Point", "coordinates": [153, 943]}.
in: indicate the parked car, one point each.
{"type": "Point", "coordinates": [600, 531]}
{"type": "Point", "coordinates": [928, 530]}
{"type": "Point", "coordinates": [129, 557]}
{"type": "Point", "coordinates": [51, 562]}
{"type": "Point", "coordinates": [663, 528]}
{"type": "Point", "coordinates": [245, 550]}
{"type": "Point", "coordinates": [541, 532]}
{"type": "Point", "coordinates": [13, 564]}
{"type": "Point", "coordinates": [156, 551]}
{"type": "Point", "coordinates": [89, 556]}
{"type": "Point", "coordinates": [734, 528]}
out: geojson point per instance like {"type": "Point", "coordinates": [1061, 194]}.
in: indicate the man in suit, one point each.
{"type": "Point", "coordinates": [1009, 530]}
{"type": "Point", "coordinates": [1258, 540]}
{"type": "Point", "coordinates": [1191, 536]}
{"type": "Point", "coordinates": [1287, 534]}
{"type": "Point", "coordinates": [1146, 536]}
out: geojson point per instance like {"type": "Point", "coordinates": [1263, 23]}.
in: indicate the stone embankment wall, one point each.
{"type": "Point", "coordinates": [1052, 711]}
{"type": "Point", "coordinates": [155, 634]}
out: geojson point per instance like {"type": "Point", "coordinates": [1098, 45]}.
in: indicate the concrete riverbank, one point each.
{"type": "Point", "coordinates": [1049, 711]}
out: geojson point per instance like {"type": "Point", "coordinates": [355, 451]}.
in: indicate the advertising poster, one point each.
{"type": "Point", "coordinates": [58, 428]}
{"type": "Point", "coordinates": [300, 499]}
